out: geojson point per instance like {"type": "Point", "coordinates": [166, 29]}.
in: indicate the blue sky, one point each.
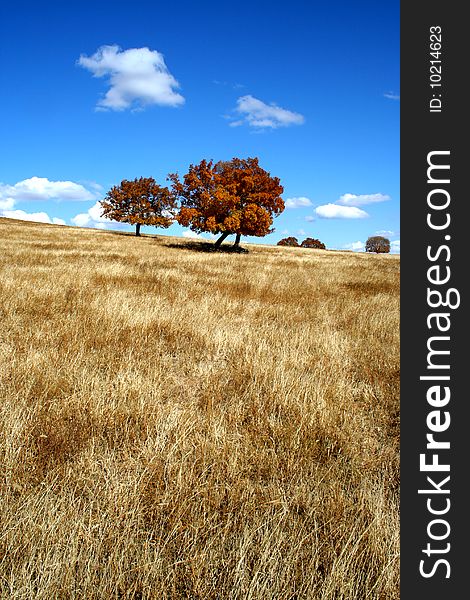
{"type": "Point", "coordinates": [97, 92]}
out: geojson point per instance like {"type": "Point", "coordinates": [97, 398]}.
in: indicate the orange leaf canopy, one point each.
{"type": "Point", "coordinates": [236, 196]}
{"type": "Point", "coordinates": [140, 201]}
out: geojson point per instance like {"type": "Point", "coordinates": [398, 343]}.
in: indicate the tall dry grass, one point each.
{"type": "Point", "coordinates": [181, 424]}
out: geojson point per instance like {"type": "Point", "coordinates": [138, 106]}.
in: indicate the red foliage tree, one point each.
{"type": "Point", "coordinates": [313, 243]}
{"type": "Point", "coordinates": [288, 241]}
{"type": "Point", "coordinates": [139, 202]}
{"type": "Point", "coordinates": [227, 197]}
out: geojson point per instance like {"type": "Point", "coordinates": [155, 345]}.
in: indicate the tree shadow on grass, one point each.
{"type": "Point", "coordinates": [194, 245]}
{"type": "Point", "coordinates": [208, 247]}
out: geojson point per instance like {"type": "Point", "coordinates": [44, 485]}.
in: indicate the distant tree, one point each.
{"type": "Point", "coordinates": [378, 244]}
{"type": "Point", "coordinates": [288, 241]}
{"type": "Point", "coordinates": [313, 243]}
{"type": "Point", "coordinates": [139, 202]}
{"type": "Point", "coordinates": [228, 197]}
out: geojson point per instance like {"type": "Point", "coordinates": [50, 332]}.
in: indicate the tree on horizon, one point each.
{"type": "Point", "coordinates": [378, 244]}
{"type": "Point", "coordinates": [228, 197]}
{"type": "Point", "coordinates": [139, 202]}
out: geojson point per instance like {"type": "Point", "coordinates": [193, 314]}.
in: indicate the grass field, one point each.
{"type": "Point", "coordinates": [186, 424]}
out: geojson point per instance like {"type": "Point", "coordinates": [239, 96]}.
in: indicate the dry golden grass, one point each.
{"type": "Point", "coordinates": [181, 424]}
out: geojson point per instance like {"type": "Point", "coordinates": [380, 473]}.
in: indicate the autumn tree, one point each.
{"type": "Point", "coordinates": [378, 244]}
{"type": "Point", "coordinates": [313, 243]}
{"type": "Point", "coordinates": [139, 202]}
{"type": "Point", "coordinates": [288, 241]}
{"type": "Point", "coordinates": [228, 197]}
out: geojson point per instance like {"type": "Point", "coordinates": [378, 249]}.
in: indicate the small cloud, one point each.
{"type": "Point", "coordinates": [256, 113]}
{"type": "Point", "coordinates": [387, 233]}
{"type": "Point", "coordinates": [395, 247]}
{"type": "Point", "coordinates": [301, 232]}
{"type": "Point", "coordinates": [335, 211]}
{"type": "Point", "coordinates": [392, 96]}
{"type": "Point", "coordinates": [361, 199]}
{"type": "Point", "coordinates": [284, 232]}
{"type": "Point", "coordinates": [81, 220]}
{"type": "Point", "coordinates": [187, 233]}
{"type": "Point", "coordinates": [92, 218]}
{"type": "Point", "coordinates": [38, 217]}
{"type": "Point", "coordinates": [234, 86]}
{"type": "Point", "coordinates": [138, 77]}
{"type": "Point", "coordinates": [298, 202]}
{"type": "Point", "coordinates": [96, 186]}
{"type": "Point", "coordinates": [309, 218]}
{"type": "Point", "coordinates": [355, 246]}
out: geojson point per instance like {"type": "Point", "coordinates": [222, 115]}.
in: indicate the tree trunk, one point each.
{"type": "Point", "coordinates": [237, 239]}
{"type": "Point", "coordinates": [137, 229]}
{"type": "Point", "coordinates": [221, 239]}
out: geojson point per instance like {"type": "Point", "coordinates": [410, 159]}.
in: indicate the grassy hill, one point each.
{"type": "Point", "coordinates": [187, 424]}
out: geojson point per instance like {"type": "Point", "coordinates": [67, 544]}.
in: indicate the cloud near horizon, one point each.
{"type": "Point", "coordinates": [355, 246]}
{"type": "Point", "coordinates": [41, 188]}
{"type": "Point", "coordinates": [336, 211]}
{"type": "Point", "coordinates": [92, 218]}
{"type": "Point", "coordinates": [192, 235]}
{"type": "Point", "coordinates": [138, 77]}
{"type": "Point", "coordinates": [39, 217]}
{"type": "Point", "coordinates": [256, 113]}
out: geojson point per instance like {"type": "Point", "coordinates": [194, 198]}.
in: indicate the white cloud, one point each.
{"type": "Point", "coordinates": [309, 218]}
{"type": "Point", "coordinates": [38, 217]}
{"type": "Point", "coordinates": [187, 233]}
{"type": "Point", "coordinates": [392, 96]}
{"type": "Point", "coordinates": [235, 86]}
{"type": "Point", "coordinates": [258, 114]}
{"type": "Point", "coordinates": [96, 186]}
{"type": "Point", "coordinates": [355, 246]}
{"type": "Point", "coordinates": [301, 232]}
{"type": "Point", "coordinates": [297, 202]}
{"type": "Point", "coordinates": [284, 232]}
{"type": "Point", "coordinates": [361, 199]}
{"type": "Point", "coordinates": [41, 188]}
{"type": "Point", "coordinates": [387, 233]}
{"type": "Point", "coordinates": [81, 220]}
{"type": "Point", "coordinates": [395, 246]}
{"type": "Point", "coordinates": [138, 77]}
{"type": "Point", "coordinates": [7, 203]}
{"type": "Point", "coordinates": [92, 218]}
{"type": "Point", "coordinates": [335, 211]}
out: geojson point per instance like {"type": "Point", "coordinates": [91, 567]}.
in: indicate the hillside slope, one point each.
{"type": "Point", "coordinates": [188, 424]}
